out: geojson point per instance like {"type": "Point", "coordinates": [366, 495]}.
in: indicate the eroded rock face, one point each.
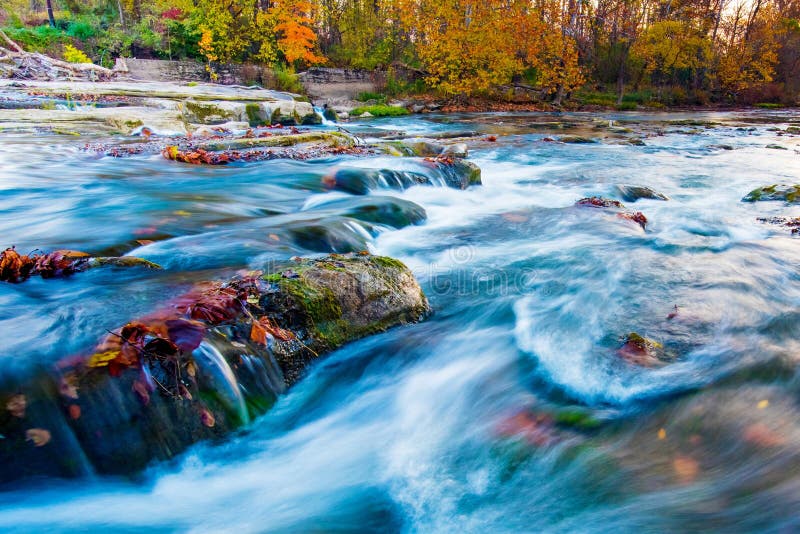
{"type": "Point", "coordinates": [204, 364]}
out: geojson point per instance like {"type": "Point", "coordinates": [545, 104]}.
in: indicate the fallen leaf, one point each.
{"type": "Point", "coordinates": [74, 411]}
{"type": "Point", "coordinates": [207, 418]}
{"type": "Point", "coordinates": [686, 469]}
{"type": "Point", "coordinates": [662, 434]}
{"type": "Point", "coordinates": [762, 404]}
{"type": "Point", "coordinates": [185, 334]}
{"type": "Point", "coordinates": [39, 436]}
{"type": "Point", "coordinates": [102, 359]}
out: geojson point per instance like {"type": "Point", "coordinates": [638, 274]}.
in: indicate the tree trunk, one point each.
{"type": "Point", "coordinates": [50, 13]}
{"type": "Point", "coordinates": [121, 16]}
{"type": "Point", "coordinates": [621, 79]}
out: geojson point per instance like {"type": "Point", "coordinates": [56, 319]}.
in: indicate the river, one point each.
{"type": "Point", "coordinates": [510, 408]}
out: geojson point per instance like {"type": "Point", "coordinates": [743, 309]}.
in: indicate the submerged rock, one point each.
{"type": "Point", "coordinates": [576, 139]}
{"type": "Point", "coordinates": [362, 181]}
{"type": "Point", "coordinates": [204, 364]}
{"type": "Point", "coordinates": [632, 193]}
{"type": "Point", "coordinates": [788, 193]}
{"type": "Point", "coordinates": [641, 351]}
{"type": "Point", "coordinates": [456, 173]}
{"type": "Point", "coordinates": [601, 202]}
{"type": "Point", "coordinates": [389, 211]}
{"type": "Point", "coordinates": [787, 222]}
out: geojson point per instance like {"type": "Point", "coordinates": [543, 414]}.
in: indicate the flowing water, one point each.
{"type": "Point", "coordinates": [510, 408]}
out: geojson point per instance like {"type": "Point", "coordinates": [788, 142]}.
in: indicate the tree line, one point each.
{"type": "Point", "coordinates": [675, 51]}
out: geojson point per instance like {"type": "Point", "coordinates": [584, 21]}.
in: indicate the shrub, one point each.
{"type": "Point", "coordinates": [287, 80]}
{"type": "Point", "coordinates": [380, 110]}
{"type": "Point", "coordinates": [371, 97]}
{"type": "Point", "coordinates": [73, 55]}
{"type": "Point", "coordinates": [626, 106]}
{"type": "Point", "coordinates": [36, 39]}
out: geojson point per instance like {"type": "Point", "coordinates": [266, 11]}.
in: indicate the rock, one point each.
{"type": "Point", "coordinates": [777, 147]}
{"type": "Point", "coordinates": [458, 173]}
{"type": "Point", "coordinates": [788, 193]}
{"type": "Point", "coordinates": [458, 150]}
{"type": "Point", "coordinates": [330, 115]}
{"type": "Point", "coordinates": [599, 202]}
{"type": "Point", "coordinates": [366, 115]}
{"type": "Point", "coordinates": [362, 181]}
{"type": "Point", "coordinates": [290, 112]}
{"type": "Point", "coordinates": [417, 108]}
{"type": "Point", "coordinates": [257, 114]}
{"type": "Point", "coordinates": [418, 148]}
{"type": "Point", "coordinates": [635, 141]}
{"type": "Point", "coordinates": [641, 351]}
{"type": "Point", "coordinates": [389, 211]}
{"type": "Point", "coordinates": [332, 234]}
{"type": "Point", "coordinates": [311, 119]}
{"type": "Point", "coordinates": [632, 193]}
{"type": "Point", "coordinates": [576, 139]}
{"type": "Point", "coordinates": [205, 364]}
{"type": "Point", "coordinates": [213, 112]}
{"type": "Point", "coordinates": [425, 149]}
{"type": "Point", "coordinates": [787, 222]}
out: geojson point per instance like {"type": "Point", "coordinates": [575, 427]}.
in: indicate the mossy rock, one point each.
{"type": "Point", "coordinates": [90, 418]}
{"type": "Point", "coordinates": [340, 298]}
{"type": "Point", "coordinates": [420, 149]}
{"type": "Point", "coordinates": [213, 112]}
{"type": "Point", "coordinates": [787, 193]}
{"type": "Point", "coordinates": [577, 139]}
{"type": "Point", "coordinates": [632, 193]}
{"type": "Point", "coordinates": [256, 115]}
{"type": "Point", "coordinates": [312, 119]}
{"type": "Point", "coordinates": [330, 115]}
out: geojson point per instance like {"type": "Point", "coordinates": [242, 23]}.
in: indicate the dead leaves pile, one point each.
{"type": "Point", "coordinates": [16, 267]}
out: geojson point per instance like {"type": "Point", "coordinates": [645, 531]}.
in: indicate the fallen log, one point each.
{"type": "Point", "coordinates": [34, 65]}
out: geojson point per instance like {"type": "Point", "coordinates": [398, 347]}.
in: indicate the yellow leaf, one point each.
{"type": "Point", "coordinates": [762, 404]}
{"type": "Point", "coordinates": [662, 434]}
{"type": "Point", "coordinates": [102, 359]}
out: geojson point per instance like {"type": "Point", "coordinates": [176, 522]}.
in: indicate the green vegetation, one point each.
{"type": "Point", "coordinates": [380, 110]}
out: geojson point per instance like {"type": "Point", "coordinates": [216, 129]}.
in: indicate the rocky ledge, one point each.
{"type": "Point", "coordinates": [201, 366]}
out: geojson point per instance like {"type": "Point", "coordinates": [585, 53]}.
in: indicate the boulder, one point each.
{"type": "Point", "coordinates": [330, 115]}
{"type": "Point", "coordinates": [362, 181]}
{"type": "Point", "coordinates": [385, 210]}
{"type": "Point", "coordinates": [639, 350]}
{"type": "Point", "coordinates": [787, 193]}
{"type": "Point", "coordinates": [205, 364]}
{"type": "Point", "coordinates": [632, 193]}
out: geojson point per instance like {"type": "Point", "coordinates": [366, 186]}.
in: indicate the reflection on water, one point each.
{"type": "Point", "coordinates": [509, 409]}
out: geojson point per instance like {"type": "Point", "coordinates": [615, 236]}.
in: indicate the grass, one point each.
{"type": "Point", "coordinates": [380, 110]}
{"type": "Point", "coordinates": [769, 105]}
{"type": "Point", "coordinates": [375, 98]}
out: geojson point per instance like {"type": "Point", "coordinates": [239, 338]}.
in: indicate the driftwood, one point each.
{"type": "Point", "coordinates": [33, 65]}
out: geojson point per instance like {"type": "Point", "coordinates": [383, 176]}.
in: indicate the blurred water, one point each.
{"type": "Point", "coordinates": [466, 422]}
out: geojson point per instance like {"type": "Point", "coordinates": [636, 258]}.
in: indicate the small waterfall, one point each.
{"type": "Point", "coordinates": [321, 113]}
